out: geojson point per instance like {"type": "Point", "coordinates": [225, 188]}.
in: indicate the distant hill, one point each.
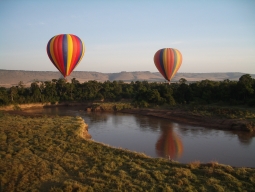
{"type": "Point", "coordinates": [10, 78]}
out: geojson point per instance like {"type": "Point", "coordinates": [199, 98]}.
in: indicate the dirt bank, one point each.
{"type": "Point", "coordinates": [183, 116]}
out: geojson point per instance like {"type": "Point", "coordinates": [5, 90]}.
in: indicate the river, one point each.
{"type": "Point", "coordinates": [157, 137]}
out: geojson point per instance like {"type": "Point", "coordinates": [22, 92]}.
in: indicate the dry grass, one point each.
{"type": "Point", "coordinates": [49, 154]}
{"type": "Point", "coordinates": [194, 164]}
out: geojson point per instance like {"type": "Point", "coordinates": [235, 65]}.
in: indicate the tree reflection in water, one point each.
{"type": "Point", "coordinates": [169, 144]}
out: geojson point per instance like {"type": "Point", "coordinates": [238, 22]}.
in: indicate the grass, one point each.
{"type": "Point", "coordinates": [51, 154]}
{"type": "Point", "coordinates": [228, 112]}
{"type": "Point", "coordinates": [112, 106]}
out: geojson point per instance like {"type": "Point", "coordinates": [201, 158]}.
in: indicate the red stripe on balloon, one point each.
{"type": "Point", "coordinates": [61, 54]}
{"type": "Point", "coordinates": [79, 52]}
{"type": "Point", "coordinates": [157, 63]}
{"type": "Point", "coordinates": [55, 50]}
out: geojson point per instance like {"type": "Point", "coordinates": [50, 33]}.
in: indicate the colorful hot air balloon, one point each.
{"type": "Point", "coordinates": [65, 52]}
{"type": "Point", "coordinates": [168, 62]}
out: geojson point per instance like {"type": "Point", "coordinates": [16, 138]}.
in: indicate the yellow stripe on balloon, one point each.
{"type": "Point", "coordinates": [165, 62]}
{"type": "Point", "coordinates": [178, 62]}
{"type": "Point", "coordinates": [83, 50]}
{"type": "Point", "coordinates": [69, 53]}
{"type": "Point", "coordinates": [52, 53]}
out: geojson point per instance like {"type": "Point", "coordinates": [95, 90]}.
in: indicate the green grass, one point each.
{"type": "Point", "coordinates": [50, 154]}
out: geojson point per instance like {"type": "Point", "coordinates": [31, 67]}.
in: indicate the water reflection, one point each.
{"type": "Point", "coordinates": [97, 117]}
{"type": "Point", "coordinates": [158, 137]}
{"type": "Point", "coordinates": [144, 122]}
{"type": "Point", "coordinates": [245, 138]}
{"type": "Point", "coordinates": [169, 144]}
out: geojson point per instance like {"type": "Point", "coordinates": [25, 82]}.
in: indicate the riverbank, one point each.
{"type": "Point", "coordinates": [197, 117]}
{"type": "Point", "coordinates": [212, 117]}
{"type": "Point", "coordinates": [19, 107]}
{"type": "Point", "coordinates": [186, 117]}
{"type": "Point", "coordinates": [51, 154]}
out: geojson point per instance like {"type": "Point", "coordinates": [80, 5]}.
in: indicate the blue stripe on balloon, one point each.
{"type": "Point", "coordinates": [161, 61]}
{"type": "Point", "coordinates": [65, 51]}
{"type": "Point", "coordinates": [48, 51]}
{"type": "Point", "coordinates": [81, 49]}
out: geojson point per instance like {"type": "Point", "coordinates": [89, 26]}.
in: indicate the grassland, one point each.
{"type": "Point", "coordinates": [51, 154]}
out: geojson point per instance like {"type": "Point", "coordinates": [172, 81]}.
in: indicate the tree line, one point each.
{"type": "Point", "coordinates": [141, 93]}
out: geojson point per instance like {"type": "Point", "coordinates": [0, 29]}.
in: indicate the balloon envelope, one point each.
{"type": "Point", "coordinates": [65, 52]}
{"type": "Point", "coordinates": [168, 62]}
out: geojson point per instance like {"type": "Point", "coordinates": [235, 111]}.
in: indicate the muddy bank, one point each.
{"type": "Point", "coordinates": [183, 116]}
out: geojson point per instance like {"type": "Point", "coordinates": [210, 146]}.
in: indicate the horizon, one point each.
{"type": "Point", "coordinates": [124, 36]}
{"type": "Point", "coordinates": [121, 71]}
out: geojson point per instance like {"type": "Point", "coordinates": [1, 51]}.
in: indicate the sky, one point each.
{"type": "Point", "coordinates": [124, 35]}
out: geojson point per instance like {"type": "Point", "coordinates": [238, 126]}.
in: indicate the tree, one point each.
{"type": "Point", "coordinates": [3, 96]}
{"type": "Point", "coordinates": [35, 92]}
{"type": "Point", "coordinates": [182, 81]}
{"type": "Point", "coordinates": [154, 96]}
{"type": "Point", "coordinates": [245, 87]}
{"type": "Point", "coordinates": [13, 93]}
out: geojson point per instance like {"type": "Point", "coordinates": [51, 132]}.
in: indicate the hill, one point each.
{"type": "Point", "coordinates": [10, 78]}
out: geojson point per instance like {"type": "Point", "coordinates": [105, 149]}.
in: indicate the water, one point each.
{"type": "Point", "coordinates": [158, 137]}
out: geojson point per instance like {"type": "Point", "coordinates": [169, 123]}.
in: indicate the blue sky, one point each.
{"type": "Point", "coordinates": [213, 36]}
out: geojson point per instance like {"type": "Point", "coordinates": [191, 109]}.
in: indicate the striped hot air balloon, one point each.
{"type": "Point", "coordinates": [65, 52]}
{"type": "Point", "coordinates": [168, 62]}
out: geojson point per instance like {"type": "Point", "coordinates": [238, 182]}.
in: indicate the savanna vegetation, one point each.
{"type": "Point", "coordinates": [141, 94]}
{"type": "Point", "coordinates": [51, 154]}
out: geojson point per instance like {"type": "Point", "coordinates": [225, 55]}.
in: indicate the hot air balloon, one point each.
{"type": "Point", "coordinates": [168, 62]}
{"type": "Point", "coordinates": [65, 52]}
